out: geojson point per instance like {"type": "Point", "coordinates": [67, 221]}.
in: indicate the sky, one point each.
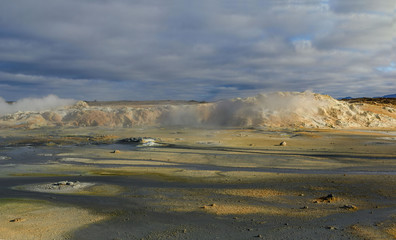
{"type": "Point", "coordinates": [195, 50]}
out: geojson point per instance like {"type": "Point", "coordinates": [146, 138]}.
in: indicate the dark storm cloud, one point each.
{"type": "Point", "coordinates": [194, 50]}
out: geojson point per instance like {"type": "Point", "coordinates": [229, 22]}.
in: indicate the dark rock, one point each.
{"type": "Point", "coordinates": [331, 227]}
{"type": "Point", "coordinates": [349, 207]}
{"type": "Point", "coordinates": [17, 220]}
{"type": "Point", "coordinates": [329, 198]}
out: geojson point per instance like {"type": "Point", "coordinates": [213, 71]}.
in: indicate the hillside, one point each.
{"type": "Point", "coordinates": [281, 109]}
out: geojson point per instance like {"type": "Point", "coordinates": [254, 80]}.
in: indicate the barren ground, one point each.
{"type": "Point", "coordinates": [200, 184]}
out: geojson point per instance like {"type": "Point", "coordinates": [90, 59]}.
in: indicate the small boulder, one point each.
{"type": "Point", "coordinates": [349, 207]}
{"type": "Point", "coordinates": [17, 220]}
{"type": "Point", "coordinates": [282, 143]}
{"type": "Point", "coordinates": [331, 228]}
{"type": "Point", "coordinates": [61, 183]}
{"type": "Point", "coordinates": [329, 198]}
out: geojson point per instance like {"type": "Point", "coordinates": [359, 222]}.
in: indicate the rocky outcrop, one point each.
{"type": "Point", "coordinates": [282, 109]}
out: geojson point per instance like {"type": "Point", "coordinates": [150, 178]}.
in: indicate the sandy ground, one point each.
{"type": "Point", "coordinates": [198, 184]}
{"type": "Point", "coordinates": [34, 219]}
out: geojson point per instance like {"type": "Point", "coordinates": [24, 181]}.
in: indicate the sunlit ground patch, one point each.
{"type": "Point", "coordinates": [32, 219]}
{"type": "Point", "coordinates": [391, 230]}
{"type": "Point", "coordinates": [239, 202]}
{"type": "Point", "coordinates": [371, 232]}
{"type": "Point", "coordinates": [68, 187]}
{"type": "Point", "coordinates": [256, 193]}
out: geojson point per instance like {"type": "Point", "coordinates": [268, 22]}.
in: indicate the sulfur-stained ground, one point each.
{"type": "Point", "coordinates": [198, 184]}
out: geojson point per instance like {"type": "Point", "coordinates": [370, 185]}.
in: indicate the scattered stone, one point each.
{"type": "Point", "coordinates": [138, 140]}
{"type": "Point", "coordinates": [57, 187]}
{"type": "Point", "coordinates": [184, 231]}
{"type": "Point", "coordinates": [282, 143]}
{"type": "Point", "coordinates": [301, 194]}
{"type": "Point", "coordinates": [305, 207]}
{"type": "Point", "coordinates": [331, 228]}
{"type": "Point", "coordinates": [66, 183]}
{"type": "Point", "coordinates": [349, 207]}
{"type": "Point", "coordinates": [17, 220]}
{"type": "Point", "coordinates": [115, 151]}
{"type": "Point", "coordinates": [143, 141]}
{"type": "Point", "coordinates": [250, 229]}
{"type": "Point", "coordinates": [329, 198]}
{"type": "Point", "coordinates": [258, 236]}
{"type": "Point", "coordinates": [129, 140]}
{"type": "Point", "coordinates": [210, 205]}
{"type": "Point", "coordinates": [61, 183]}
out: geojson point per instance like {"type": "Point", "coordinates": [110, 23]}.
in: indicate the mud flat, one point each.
{"type": "Point", "coordinates": [195, 183]}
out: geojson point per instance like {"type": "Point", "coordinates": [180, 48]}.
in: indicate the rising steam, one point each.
{"type": "Point", "coordinates": [49, 102]}
{"type": "Point", "coordinates": [282, 109]}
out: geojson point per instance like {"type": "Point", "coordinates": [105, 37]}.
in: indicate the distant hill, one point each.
{"type": "Point", "coordinates": [374, 101]}
{"type": "Point", "coordinates": [351, 98]}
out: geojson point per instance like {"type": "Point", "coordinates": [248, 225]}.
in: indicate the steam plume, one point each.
{"type": "Point", "coordinates": [281, 109]}
{"type": "Point", "coordinates": [49, 102]}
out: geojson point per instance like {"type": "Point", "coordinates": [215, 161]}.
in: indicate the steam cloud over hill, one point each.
{"type": "Point", "coordinates": [281, 109]}
{"type": "Point", "coordinates": [34, 104]}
